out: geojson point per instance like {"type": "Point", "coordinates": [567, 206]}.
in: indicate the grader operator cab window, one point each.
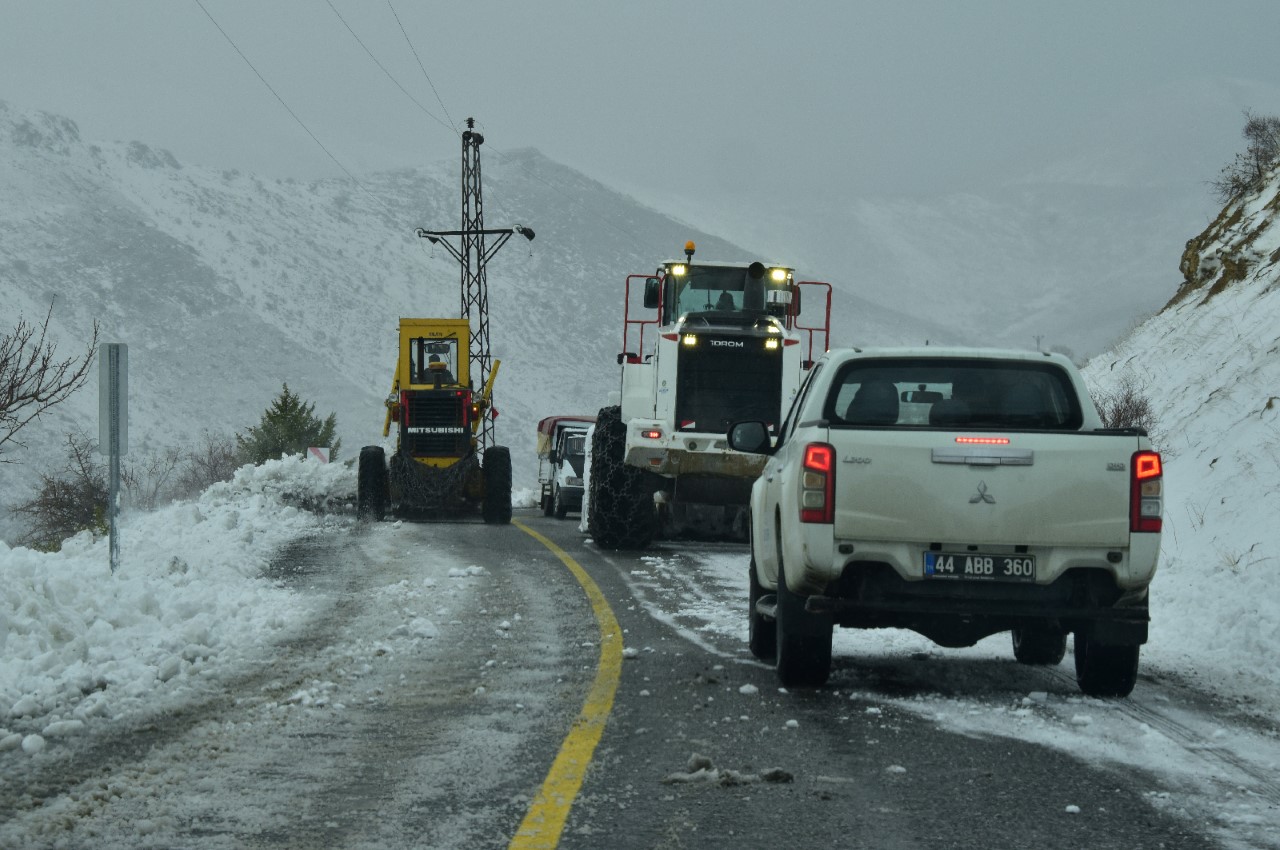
{"type": "Point", "coordinates": [754, 289]}
{"type": "Point", "coordinates": [429, 356]}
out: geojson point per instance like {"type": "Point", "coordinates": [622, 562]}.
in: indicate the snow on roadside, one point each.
{"type": "Point", "coordinates": [79, 645]}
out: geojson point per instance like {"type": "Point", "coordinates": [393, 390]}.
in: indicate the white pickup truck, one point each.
{"type": "Point", "coordinates": [957, 493]}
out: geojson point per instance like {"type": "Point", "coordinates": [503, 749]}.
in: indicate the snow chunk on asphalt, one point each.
{"type": "Point", "coordinates": [466, 572]}
{"type": "Point", "coordinates": [748, 690]}
{"type": "Point", "coordinates": [701, 770]}
{"type": "Point", "coordinates": [421, 627]}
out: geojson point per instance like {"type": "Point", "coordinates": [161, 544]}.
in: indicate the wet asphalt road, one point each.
{"type": "Point", "coordinates": [425, 705]}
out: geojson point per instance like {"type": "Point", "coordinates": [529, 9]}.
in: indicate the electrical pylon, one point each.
{"type": "Point", "coordinates": [473, 253]}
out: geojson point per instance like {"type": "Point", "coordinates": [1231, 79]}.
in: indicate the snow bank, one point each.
{"type": "Point", "coordinates": [78, 643]}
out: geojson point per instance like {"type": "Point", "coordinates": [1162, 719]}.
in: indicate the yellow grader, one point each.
{"type": "Point", "coordinates": [438, 468]}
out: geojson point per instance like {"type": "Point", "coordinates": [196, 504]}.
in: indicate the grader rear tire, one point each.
{"type": "Point", "coordinates": [496, 507]}
{"type": "Point", "coordinates": [371, 484]}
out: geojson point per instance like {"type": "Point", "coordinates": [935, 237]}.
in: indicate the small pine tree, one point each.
{"type": "Point", "coordinates": [288, 426]}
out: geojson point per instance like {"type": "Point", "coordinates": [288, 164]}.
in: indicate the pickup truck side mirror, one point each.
{"type": "Point", "coordinates": [751, 437]}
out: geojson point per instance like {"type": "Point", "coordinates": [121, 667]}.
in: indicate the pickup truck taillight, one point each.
{"type": "Point", "coordinates": [818, 484]}
{"type": "Point", "coordinates": [1146, 492]}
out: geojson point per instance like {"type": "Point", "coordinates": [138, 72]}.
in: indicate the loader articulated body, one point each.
{"type": "Point", "coordinates": [704, 344]}
{"type": "Point", "coordinates": [437, 468]}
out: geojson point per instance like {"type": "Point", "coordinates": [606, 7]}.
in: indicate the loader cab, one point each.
{"type": "Point", "coordinates": [723, 293]}
{"type": "Point", "coordinates": [433, 360]}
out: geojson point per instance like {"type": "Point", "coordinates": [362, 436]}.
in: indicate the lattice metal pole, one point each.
{"type": "Point", "coordinates": [473, 253]}
{"type": "Point", "coordinates": [475, 283]}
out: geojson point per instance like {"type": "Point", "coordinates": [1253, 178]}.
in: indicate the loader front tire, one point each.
{"type": "Point", "coordinates": [621, 514]}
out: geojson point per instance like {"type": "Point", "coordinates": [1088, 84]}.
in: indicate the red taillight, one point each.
{"type": "Point", "coordinates": [817, 484]}
{"type": "Point", "coordinates": [651, 434]}
{"type": "Point", "coordinates": [983, 441]}
{"type": "Point", "coordinates": [404, 409]}
{"type": "Point", "coordinates": [1146, 493]}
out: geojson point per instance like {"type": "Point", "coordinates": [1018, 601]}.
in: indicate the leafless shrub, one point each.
{"type": "Point", "coordinates": [213, 461]}
{"type": "Point", "coordinates": [148, 480]}
{"type": "Point", "coordinates": [1250, 169]}
{"type": "Point", "coordinates": [68, 502]}
{"type": "Point", "coordinates": [32, 378]}
{"type": "Point", "coordinates": [1127, 406]}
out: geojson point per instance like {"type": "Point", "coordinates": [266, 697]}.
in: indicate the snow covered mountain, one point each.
{"type": "Point", "coordinates": [227, 285]}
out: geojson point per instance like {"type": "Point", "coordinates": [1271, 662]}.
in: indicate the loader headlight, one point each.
{"type": "Point", "coordinates": [778, 274]}
{"type": "Point", "coordinates": [679, 269]}
{"type": "Point", "coordinates": [690, 340]}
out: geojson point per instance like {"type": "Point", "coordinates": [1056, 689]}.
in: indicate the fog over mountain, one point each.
{"type": "Point", "coordinates": [225, 285]}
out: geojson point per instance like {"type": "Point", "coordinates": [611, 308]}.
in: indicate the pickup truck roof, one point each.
{"type": "Point", "coordinates": [950, 351]}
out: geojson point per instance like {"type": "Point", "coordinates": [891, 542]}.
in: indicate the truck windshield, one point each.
{"type": "Point", "coordinates": [704, 288]}
{"type": "Point", "coordinates": [951, 394]}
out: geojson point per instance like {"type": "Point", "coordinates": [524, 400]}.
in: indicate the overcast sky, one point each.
{"type": "Point", "coordinates": [709, 101]}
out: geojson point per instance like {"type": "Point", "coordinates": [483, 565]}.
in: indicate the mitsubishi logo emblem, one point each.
{"type": "Point", "coordinates": [982, 495]}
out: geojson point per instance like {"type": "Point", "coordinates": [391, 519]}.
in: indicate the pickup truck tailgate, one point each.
{"type": "Point", "coordinates": [1044, 489]}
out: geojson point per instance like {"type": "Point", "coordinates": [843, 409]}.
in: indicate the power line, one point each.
{"type": "Point", "coordinates": [427, 112]}
{"type": "Point", "coordinates": [496, 201]}
{"type": "Point", "coordinates": [570, 198]}
{"type": "Point", "coordinates": [377, 200]}
{"type": "Point", "coordinates": [423, 67]}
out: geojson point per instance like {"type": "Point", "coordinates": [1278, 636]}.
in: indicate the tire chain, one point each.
{"type": "Point", "coordinates": [424, 488]}
{"type": "Point", "coordinates": [621, 514]}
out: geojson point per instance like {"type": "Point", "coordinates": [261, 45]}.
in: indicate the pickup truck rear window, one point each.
{"type": "Point", "coordinates": [953, 394]}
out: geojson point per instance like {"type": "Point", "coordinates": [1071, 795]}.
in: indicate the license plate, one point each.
{"type": "Point", "coordinates": [975, 566]}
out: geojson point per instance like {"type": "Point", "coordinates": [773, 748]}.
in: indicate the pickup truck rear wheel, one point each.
{"type": "Point", "coordinates": [1104, 670]}
{"type": "Point", "coordinates": [762, 632]}
{"type": "Point", "coordinates": [803, 640]}
{"type": "Point", "coordinates": [1039, 646]}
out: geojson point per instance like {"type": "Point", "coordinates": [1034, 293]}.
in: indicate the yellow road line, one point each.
{"type": "Point", "coordinates": [545, 819]}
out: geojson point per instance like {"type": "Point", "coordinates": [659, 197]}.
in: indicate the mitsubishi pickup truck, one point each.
{"type": "Point", "coordinates": [957, 493]}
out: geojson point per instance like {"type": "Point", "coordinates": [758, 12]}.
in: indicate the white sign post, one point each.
{"type": "Point", "coordinates": [113, 425]}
